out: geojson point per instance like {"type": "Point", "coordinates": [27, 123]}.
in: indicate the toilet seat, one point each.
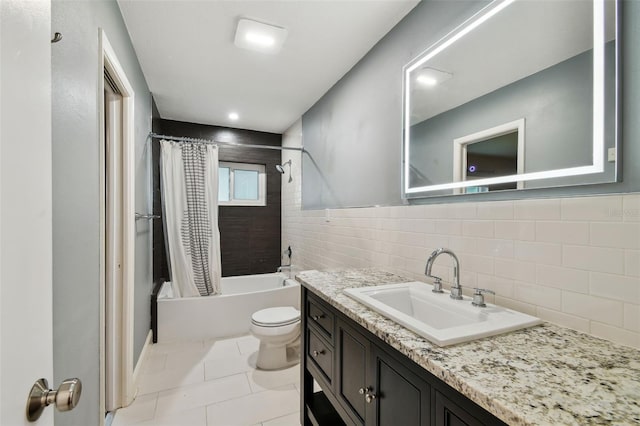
{"type": "Point", "coordinates": [276, 317]}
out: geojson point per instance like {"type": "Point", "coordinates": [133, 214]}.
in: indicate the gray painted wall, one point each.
{"type": "Point", "coordinates": [76, 227]}
{"type": "Point", "coordinates": [353, 134]}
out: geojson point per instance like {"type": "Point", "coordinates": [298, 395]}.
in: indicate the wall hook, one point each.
{"type": "Point", "coordinates": [56, 38]}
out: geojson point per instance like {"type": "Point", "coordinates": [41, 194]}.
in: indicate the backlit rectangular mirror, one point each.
{"type": "Point", "coordinates": [521, 95]}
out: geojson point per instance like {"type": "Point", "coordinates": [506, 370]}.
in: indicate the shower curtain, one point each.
{"type": "Point", "coordinates": [189, 180]}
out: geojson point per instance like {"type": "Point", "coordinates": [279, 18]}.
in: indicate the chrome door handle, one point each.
{"type": "Point", "coordinates": [316, 353]}
{"type": "Point", "coordinates": [65, 398]}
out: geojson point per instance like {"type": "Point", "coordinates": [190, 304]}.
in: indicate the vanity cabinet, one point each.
{"type": "Point", "coordinates": [375, 387]}
{"type": "Point", "coordinates": [367, 382]}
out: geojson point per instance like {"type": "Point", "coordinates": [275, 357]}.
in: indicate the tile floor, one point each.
{"type": "Point", "coordinates": [212, 383]}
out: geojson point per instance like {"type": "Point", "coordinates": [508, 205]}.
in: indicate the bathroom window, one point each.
{"type": "Point", "coordinates": [242, 184]}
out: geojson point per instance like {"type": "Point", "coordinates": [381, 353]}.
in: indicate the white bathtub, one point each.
{"type": "Point", "coordinates": [224, 315]}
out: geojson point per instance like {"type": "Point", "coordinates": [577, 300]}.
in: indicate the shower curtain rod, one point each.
{"type": "Point", "coordinates": [208, 141]}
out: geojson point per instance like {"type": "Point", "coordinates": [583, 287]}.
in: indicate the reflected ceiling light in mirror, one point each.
{"type": "Point", "coordinates": [260, 37]}
{"type": "Point", "coordinates": [431, 77]}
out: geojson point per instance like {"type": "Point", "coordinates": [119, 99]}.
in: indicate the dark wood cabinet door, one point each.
{"type": "Point", "coordinates": [353, 351]}
{"type": "Point", "coordinates": [449, 413]}
{"type": "Point", "coordinates": [401, 397]}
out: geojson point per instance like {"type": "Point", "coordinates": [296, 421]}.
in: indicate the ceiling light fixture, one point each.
{"type": "Point", "coordinates": [426, 80]}
{"type": "Point", "coordinates": [233, 116]}
{"type": "Point", "coordinates": [260, 39]}
{"type": "Point", "coordinates": [254, 35]}
{"type": "Point", "coordinates": [431, 77]}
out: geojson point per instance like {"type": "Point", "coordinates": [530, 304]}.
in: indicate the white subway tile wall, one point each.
{"type": "Point", "coordinates": [572, 261]}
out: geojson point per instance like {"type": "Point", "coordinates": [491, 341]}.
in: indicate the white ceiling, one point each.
{"type": "Point", "coordinates": [196, 73]}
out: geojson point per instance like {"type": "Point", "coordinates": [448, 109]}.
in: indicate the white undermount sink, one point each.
{"type": "Point", "coordinates": [437, 317]}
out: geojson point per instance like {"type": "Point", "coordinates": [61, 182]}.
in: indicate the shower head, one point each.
{"type": "Point", "coordinates": [280, 168]}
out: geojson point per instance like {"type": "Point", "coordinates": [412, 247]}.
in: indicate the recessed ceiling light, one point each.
{"type": "Point", "coordinates": [431, 77]}
{"type": "Point", "coordinates": [260, 39]}
{"type": "Point", "coordinates": [254, 35]}
{"type": "Point", "coordinates": [233, 116]}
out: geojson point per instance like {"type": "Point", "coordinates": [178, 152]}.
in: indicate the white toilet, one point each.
{"type": "Point", "coordinates": [279, 332]}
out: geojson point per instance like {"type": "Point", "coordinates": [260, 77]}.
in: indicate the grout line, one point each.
{"type": "Point", "coordinates": [155, 406]}
{"type": "Point", "coordinates": [280, 417]}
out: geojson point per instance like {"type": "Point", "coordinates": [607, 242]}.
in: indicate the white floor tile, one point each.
{"type": "Point", "coordinates": [255, 408]}
{"type": "Point", "coordinates": [142, 408]}
{"type": "Point", "coordinates": [261, 380]}
{"type": "Point", "coordinates": [202, 394]}
{"type": "Point", "coordinates": [212, 382]}
{"type": "Point", "coordinates": [290, 420]}
{"type": "Point", "coordinates": [180, 359]}
{"type": "Point", "coordinates": [170, 379]}
{"type": "Point", "coordinates": [193, 417]}
{"type": "Point", "coordinates": [248, 344]}
{"type": "Point", "coordinates": [154, 363]}
{"type": "Point", "coordinates": [228, 366]}
{"type": "Point", "coordinates": [220, 348]}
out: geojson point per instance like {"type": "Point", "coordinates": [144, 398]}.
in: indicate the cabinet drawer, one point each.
{"type": "Point", "coordinates": [320, 354]}
{"type": "Point", "coordinates": [320, 316]}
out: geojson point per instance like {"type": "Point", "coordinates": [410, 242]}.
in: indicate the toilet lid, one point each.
{"type": "Point", "coordinates": [275, 317]}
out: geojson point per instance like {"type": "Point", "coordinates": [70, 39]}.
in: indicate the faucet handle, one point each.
{"type": "Point", "coordinates": [437, 285]}
{"type": "Point", "coordinates": [478, 297]}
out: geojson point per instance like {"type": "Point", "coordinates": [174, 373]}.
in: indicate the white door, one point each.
{"type": "Point", "coordinates": [114, 261]}
{"type": "Point", "coordinates": [25, 206]}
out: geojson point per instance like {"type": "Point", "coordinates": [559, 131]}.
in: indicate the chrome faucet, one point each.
{"type": "Point", "coordinates": [288, 253]}
{"type": "Point", "coordinates": [456, 289]}
{"type": "Point", "coordinates": [284, 267]}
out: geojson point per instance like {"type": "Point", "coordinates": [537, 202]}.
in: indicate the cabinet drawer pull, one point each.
{"type": "Point", "coordinates": [317, 317]}
{"type": "Point", "coordinates": [368, 395]}
{"type": "Point", "coordinates": [362, 391]}
{"type": "Point", "coordinates": [316, 353]}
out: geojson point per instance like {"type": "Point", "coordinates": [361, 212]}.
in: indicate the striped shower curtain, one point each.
{"type": "Point", "coordinates": [189, 180]}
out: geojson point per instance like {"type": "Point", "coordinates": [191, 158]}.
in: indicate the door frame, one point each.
{"type": "Point", "coordinates": [108, 61]}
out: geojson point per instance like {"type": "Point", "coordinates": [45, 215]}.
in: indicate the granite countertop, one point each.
{"type": "Point", "coordinates": [541, 375]}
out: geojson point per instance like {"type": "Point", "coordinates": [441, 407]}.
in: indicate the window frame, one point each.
{"type": "Point", "coordinates": [262, 183]}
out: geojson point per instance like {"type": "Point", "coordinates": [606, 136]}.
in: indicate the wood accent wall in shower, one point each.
{"type": "Point", "coordinates": [249, 236]}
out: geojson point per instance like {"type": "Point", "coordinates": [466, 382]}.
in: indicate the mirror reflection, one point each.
{"type": "Point", "coordinates": [522, 95]}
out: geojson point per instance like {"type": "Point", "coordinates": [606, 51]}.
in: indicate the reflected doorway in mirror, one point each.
{"type": "Point", "coordinates": [498, 151]}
